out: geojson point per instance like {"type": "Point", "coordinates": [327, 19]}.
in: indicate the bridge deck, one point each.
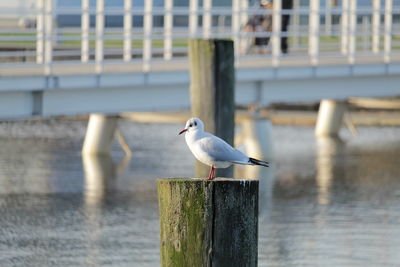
{"type": "Point", "coordinates": [181, 64]}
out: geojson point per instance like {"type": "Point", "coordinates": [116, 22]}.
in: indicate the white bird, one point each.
{"type": "Point", "coordinates": [212, 150]}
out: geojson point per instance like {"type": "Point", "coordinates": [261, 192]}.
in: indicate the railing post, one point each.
{"type": "Point", "coordinates": [193, 18]}
{"type": "Point", "coordinates": [168, 24]}
{"type": "Point", "coordinates": [296, 23]}
{"type": "Point", "coordinates": [376, 22]}
{"type": "Point", "coordinates": [207, 18]}
{"type": "Point", "coordinates": [85, 26]}
{"type": "Point", "coordinates": [345, 27]}
{"type": "Point", "coordinates": [365, 32]}
{"type": "Point", "coordinates": [388, 30]}
{"type": "Point", "coordinates": [276, 32]}
{"type": "Point", "coordinates": [99, 35]}
{"type": "Point", "coordinates": [243, 19]}
{"type": "Point", "coordinates": [40, 31]}
{"type": "Point", "coordinates": [147, 31]}
{"type": "Point", "coordinates": [313, 47]}
{"type": "Point", "coordinates": [243, 12]}
{"type": "Point", "coordinates": [127, 30]}
{"type": "Point", "coordinates": [236, 25]}
{"type": "Point", "coordinates": [328, 17]}
{"type": "Point", "coordinates": [48, 28]}
{"type": "Point", "coordinates": [352, 30]}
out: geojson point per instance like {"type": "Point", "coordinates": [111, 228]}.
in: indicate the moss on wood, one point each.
{"type": "Point", "coordinates": [204, 223]}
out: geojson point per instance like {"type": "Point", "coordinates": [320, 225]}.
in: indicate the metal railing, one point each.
{"type": "Point", "coordinates": [147, 34]}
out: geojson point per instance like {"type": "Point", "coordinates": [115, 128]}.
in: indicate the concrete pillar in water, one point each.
{"type": "Point", "coordinates": [330, 117]}
{"type": "Point", "coordinates": [257, 138]}
{"type": "Point", "coordinates": [329, 154]}
{"type": "Point", "coordinates": [208, 223]}
{"type": "Point", "coordinates": [99, 134]}
{"type": "Point", "coordinates": [212, 82]}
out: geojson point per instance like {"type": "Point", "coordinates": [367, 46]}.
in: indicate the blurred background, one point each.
{"type": "Point", "coordinates": [330, 198]}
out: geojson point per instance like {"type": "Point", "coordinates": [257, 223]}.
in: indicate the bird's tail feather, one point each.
{"type": "Point", "coordinates": [258, 162]}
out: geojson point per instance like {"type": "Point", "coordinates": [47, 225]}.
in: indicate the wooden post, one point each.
{"type": "Point", "coordinates": [208, 223]}
{"type": "Point", "coordinates": [212, 91]}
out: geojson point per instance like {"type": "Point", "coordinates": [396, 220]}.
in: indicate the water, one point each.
{"type": "Point", "coordinates": [325, 203]}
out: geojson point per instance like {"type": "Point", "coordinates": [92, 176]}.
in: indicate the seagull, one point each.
{"type": "Point", "coordinates": [212, 150]}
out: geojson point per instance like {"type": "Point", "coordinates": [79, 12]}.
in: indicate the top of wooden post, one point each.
{"type": "Point", "coordinates": [217, 179]}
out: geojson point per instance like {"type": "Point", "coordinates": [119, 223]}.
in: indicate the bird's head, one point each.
{"type": "Point", "coordinates": [193, 124]}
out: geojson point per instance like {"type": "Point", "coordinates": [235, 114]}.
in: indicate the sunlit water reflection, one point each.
{"type": "Point", "coordinates": [322, 203]}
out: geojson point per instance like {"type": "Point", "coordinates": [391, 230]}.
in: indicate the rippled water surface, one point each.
{"type": "Point", "coordinates": [323, 203]}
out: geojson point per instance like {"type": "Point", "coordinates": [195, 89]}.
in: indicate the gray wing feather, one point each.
{"type": "Point", "coordinates": [220, 150]}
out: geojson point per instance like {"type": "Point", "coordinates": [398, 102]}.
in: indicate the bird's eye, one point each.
{"type": "Point", "coordinates": [195, 123]}
{"type": "Point", "coordinates": [190, 125]}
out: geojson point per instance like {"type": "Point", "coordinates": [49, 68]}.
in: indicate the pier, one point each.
{"type": "Point", "coordinates": [96, 68]}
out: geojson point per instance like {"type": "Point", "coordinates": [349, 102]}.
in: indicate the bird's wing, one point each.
{"type": "Point", "coordinates": [220, 150]}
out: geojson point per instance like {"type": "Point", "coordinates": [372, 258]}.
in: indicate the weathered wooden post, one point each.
{"type": "Point", "coordinates": [208, 223]}
{"type": "Point", "coordinates": [212, 85]}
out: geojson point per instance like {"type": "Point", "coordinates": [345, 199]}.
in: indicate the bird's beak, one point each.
{"type": "Point", "coordinates": [181, 132]}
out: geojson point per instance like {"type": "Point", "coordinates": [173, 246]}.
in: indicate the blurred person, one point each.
{"type": "Point", "coordinates": [286, 4]}
{"type": "Point", "coordinates": [261, 23]}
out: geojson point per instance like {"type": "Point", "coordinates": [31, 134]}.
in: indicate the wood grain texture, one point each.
{"type": "Point", "coordinates": [208, 223]}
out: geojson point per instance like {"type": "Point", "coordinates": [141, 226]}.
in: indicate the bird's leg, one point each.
{"type": "Point", "coordinates": [209, 175]}
{"type": "Point", "coordinates": [212, 173]}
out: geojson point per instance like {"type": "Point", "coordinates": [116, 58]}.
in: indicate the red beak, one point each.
{"type": "Point", "coordinates": [181, 132]}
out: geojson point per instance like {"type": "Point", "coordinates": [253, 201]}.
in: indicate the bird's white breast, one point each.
{"type": "Point", "coordinates": [194, 140]}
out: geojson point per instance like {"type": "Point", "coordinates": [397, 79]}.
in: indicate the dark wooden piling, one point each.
{"type": "Point", "coordinates": [212, 84]}
{"type": "Point", "coordinates": [208, 223]}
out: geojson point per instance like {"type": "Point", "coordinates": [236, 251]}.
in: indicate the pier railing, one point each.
{"type": "Point", "coordinates": [49, 35]}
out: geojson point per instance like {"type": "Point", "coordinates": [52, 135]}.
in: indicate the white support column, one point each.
{"type": "Point", "coordinates": [236, 26]}
{"type": "Point", "coordinates": [99, 56]}
{"type": "Point", "coordinates": [257, 138]}
{"type": "Point", "coordinates": [345, 27]}
{"type": "Point", "coordinates": [193, 17]}
{"type": "Point", "coordinates": [207, 18]}
{"type": "Point", "coordinates": [48, 32]}
{"type": "Point", "coordinates": [276, 32]}
{"type": "Point", "coordinates": [313, 43]}
{"type": "Point", "coordinates": [40, 31]}
{"type": "Point", "coordinates": [387, 46]}
{"type": "Point", "coordinates": [168, 25]}
{"type": "Point", "coordinates": [329, 151]}
{"type": "Point", "coordinates": [127, 30]}
{"type": "Point", "coordinates": [98, 170]}
{"type": "Point", "coordinates": [99, 134]}
{"type": "Point", "coordinates": [352, 30]}
{"type": "Point", "coordinates": [376, 22]}
{"type": "Point", "coordinates": [85, 26]}
{"type": "Point", "coordinates": [330, 117]}
{"type": "Point", "coordinates": [147, 32]}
